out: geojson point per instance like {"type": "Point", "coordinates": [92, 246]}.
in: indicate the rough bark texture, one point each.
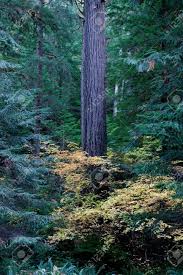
{"type": "Point", "coordinates": [93, 107]}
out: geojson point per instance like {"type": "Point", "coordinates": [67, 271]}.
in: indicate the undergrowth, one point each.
{"type": "Point", "coordinates": [109, 216]}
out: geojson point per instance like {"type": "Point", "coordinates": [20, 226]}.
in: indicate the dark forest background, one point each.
{"type": "Point", "coordinates": [62, 211]}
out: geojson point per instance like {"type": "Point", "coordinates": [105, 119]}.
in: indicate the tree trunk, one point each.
{"type": "Point", "coordinates": [37, 131]}
{"type": "Point", "coordinates": [93, 106]}
{"type": "Point", "coordinates": [115, 105]}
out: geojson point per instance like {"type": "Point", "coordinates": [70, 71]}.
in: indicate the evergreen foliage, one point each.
{"type": "Point", "coordinates": [122, 212]}
{"type": "Point", "coordinates": [149, 49]}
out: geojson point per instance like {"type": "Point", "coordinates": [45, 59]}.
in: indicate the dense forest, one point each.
{"type": "Point", "coordinates": [91, 137]}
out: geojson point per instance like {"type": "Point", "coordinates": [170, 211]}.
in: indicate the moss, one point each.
{"type": "Point", "coordinates": [136, 214]}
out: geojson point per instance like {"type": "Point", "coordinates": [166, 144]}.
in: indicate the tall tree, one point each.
{"type": "Point", "coordinates": [93, 109]}
{"type": "Point", "coordinates": [40, 29]}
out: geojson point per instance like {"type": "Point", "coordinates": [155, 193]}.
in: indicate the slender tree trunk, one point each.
{"type": "Point", "coordinates": [40, 30]}
{"type": "Point", "coordinates": [115, 105]}
{"type": "Point", "coordinates": [93, 107]}
{"type": "Point", "coordinates": [118, 96]}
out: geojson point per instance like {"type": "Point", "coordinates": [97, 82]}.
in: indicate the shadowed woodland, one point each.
{"type": "Point", "coordinates": [91, 137]}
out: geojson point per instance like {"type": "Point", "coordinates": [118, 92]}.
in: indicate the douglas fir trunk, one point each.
{"type": "Point", "coordinates": [93, 107]}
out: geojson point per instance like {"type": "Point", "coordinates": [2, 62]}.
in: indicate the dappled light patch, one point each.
{"type": "Point", "coordinates": [135, 209]}
{"type": "Point", "coordinates": [73, 166]}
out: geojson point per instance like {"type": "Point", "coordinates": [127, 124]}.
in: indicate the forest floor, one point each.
{"type": "Point", "coordinates": [109, 216]}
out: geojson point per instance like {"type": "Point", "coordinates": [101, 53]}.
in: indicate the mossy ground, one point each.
{"type": "Point", "coordinates": [124, 222]}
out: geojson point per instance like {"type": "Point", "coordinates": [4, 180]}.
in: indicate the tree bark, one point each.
{"type": "Point", "coordinates": [93, 105]}
{"type": "Point", "coordinates": [115, 105]}
{"type": "Point", "coordinates": [37, 131]}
